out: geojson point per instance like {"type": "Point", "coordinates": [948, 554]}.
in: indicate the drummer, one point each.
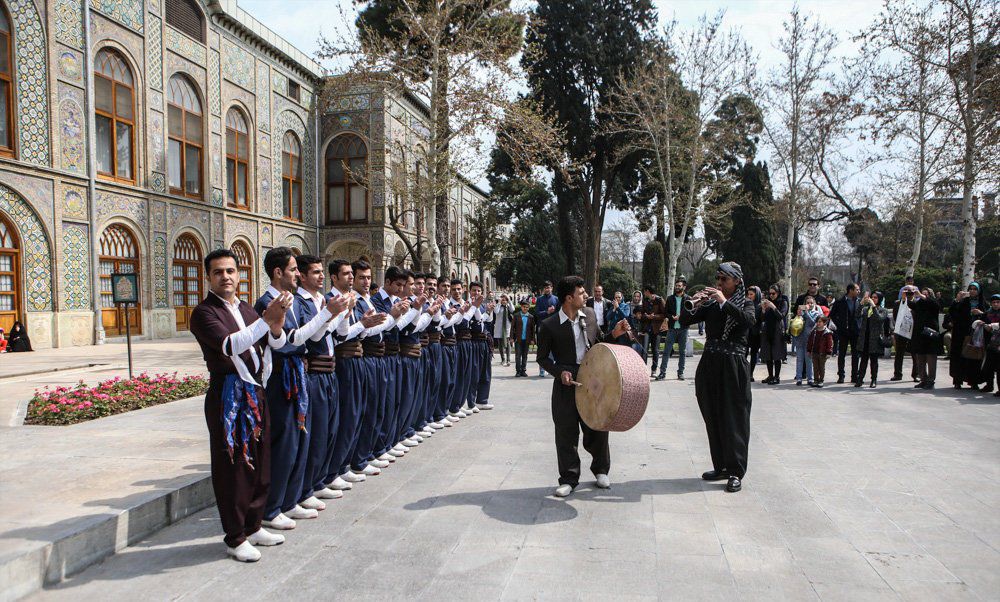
{"type": "Point", "coordinates": [560, 352]}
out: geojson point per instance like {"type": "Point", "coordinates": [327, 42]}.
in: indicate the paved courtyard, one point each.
{"type": "Point", "coordinates": [851, 495]}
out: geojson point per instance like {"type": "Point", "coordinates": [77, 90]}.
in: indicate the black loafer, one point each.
{"type": "Point", "coordinates": [715, 475]}
{"type": "Point", "coordinates": [734, 485]}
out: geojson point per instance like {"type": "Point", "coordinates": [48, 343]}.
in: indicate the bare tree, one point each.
{"type": "Point", "coordinates": [805, 47]}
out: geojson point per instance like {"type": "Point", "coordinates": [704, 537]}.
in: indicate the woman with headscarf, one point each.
{"type": "Point", "coordinates": [966, 309]}
{"type": "Point", "coordinates": [872, 336]}
{"type": "Point", "coordinates": [774, 313]}
{"type": "Point", "coordinates": [753, 337]}
{"type": "Point", "coordinates": [991, 324]}
{"type": "Point", "coordinates": [926, 343]}
{"type": "Point", "coordinates": [18, 338]}
{"type": "Point", "coordinates": [722, 380]}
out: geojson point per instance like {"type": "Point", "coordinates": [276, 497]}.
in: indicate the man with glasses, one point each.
{"type": "Point", "coordinates": [812, 291]}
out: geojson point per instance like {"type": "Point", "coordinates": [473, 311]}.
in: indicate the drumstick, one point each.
{"type": "Point", "coordinates": [575, 384]}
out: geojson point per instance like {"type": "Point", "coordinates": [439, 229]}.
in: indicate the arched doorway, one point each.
{"type": "Point", "coordinates": [119, 254]}
{"type": "Point", "coordinates": [10, 279]}
{"type": "Point", "coordinates": [186, 273]}
{"type": "Point", "coordinates": [244, 263]}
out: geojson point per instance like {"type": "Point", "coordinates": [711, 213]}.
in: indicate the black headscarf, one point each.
{"type": "Point", "coordinates": [733, 270]}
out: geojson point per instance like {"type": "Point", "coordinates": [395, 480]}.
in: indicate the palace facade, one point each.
{"type": "Point", "coordinates": [138, 135]}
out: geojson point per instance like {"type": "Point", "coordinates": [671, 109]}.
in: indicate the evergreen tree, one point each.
{"type": "Point", "coordinates": [535, 253]}
{"type": "Point", "coordinates": [653, 266]}
{"type": "Point", "coordinates": [752, 240]}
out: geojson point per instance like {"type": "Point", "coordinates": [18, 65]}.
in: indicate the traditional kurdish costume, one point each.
{"type": "Point", "coordinates": [482, 344]}
{"type": "Point", "coordinates": [351, 385]}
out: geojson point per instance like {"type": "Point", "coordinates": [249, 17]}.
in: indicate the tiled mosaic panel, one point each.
{"type": "Point", "coordinates": [156, 140]}
{"type": "Point", "coordinates": [237, 65]}
{"type": "Point", "coordinates": [70, 66]}
{"type": "Point", "coordinates": [263, 97]}
{"type": "Point", "coordinates": [113, 205]}
{"type": "Point", "coordinates": [71, 130]}
{"type": "Point", "coordinates": [185, 46]}
{"type": "Point", "coordinates": [127, 12]}
{"type": "Point", "coordinates": [264, 188]}
{"type": "Point", "coordinates": [32, 82]}
{"type": "Point", "coordinates": [287, 120]}
{"type": "Point", "coordinates": [160, 270]}
{"type": "Point", "coordinates": [214, 90]}
{"type": "Point", "coordinates": [74, 204]}
{"type": "Point", "coordinates": [35, 250]}
{"type": "Point", "coordinates": [154, 53]}
{"type": "Point", "coordinates": [69, 22]}
{"type": "Point", "coordinates": [76, 267]}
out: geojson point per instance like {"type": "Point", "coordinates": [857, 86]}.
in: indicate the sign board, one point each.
{"type": "Point", "coordinates": [125, 288]}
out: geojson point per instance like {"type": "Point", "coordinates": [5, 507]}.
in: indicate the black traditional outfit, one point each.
{"type": "Point", "coordinates": [962, 369]}
{"type": "Point", "coordinates": [18, 340]}
{"type": "Point", "coordinates": [925, 345]}
{"type": "Point", "coordinates": [773, 349]}
{"type": "Point", "coordinates": [722, 380]}
{"type": "Point", "coordinates": [753, 336]}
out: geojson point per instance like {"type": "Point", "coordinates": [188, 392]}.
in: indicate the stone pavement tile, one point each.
{"type": "Point", "coordinates": [750, 558]}
{"type": "Point", "coordinates": [832, 560]}
{"type": "Point", "coordinates": [803, 519]}
{"type": "Point", "coordinates": [936, 592]}
{"type": "Point", "coordinates": [445, 588]}
{"type": "Point", "coordinates": [479, 564]}
{"type": "Point", "coordinates": [753, 527]}
{"type": "Point", "coordinates": [689, 568]}
{"type": "Point", "coordinates": [847, 592]}
{"type": "Point", "coordinates": [898, 569]}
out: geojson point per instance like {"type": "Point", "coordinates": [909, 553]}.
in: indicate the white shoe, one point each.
{"type": "Point", "coordinates": [474, 409]}
{"type": "Point", "coordinates": [436, 425]}
{"type": "Point", "coordinates": [387, 457]}
{"type": "Point", "coordinates": [339, 484]}
{"type": "Point", "coordinates": [400, 448]}
{"type": "Point", "coordinates": [245, 552]}
{"type": "Point", "coordinates": [395, 453]}
{"type": "Point", "coordinates": [426, 433]}
{"type": "Point", "coordinates": [563, 490]}
{"type": "Point", "coordinates": [352, 477]}
{"type": "Point", "coordinates": [447, 422]}
{"type": "Point", "coordinates": [300, 513]}
{"type": "Point", "coordinates": [410, 442]}
{"type": "Point", "coordinates": [266, 538]}
{"type": "Point", "coordinates": [484, 406]}
{"type": "Point", "coordinates": [380, 464]}
{"type": "Point", "coordinates": [416, 437]}
{"type": "Point", "coordinates": [452, 419]}
{"type": "Point", "coordinates": [329, 494]}
{"type": "Point", "coordinates": [371, 471]}
{"type": "Point", "coordinates": [312, 503]}
{"type": "Point", "coordinates": [280, 522]}
{"type": "Point", "coordinates": [603, 482]}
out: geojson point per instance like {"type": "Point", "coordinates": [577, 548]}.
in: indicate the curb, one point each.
{"type": "Point", "coordinates": [70, 368]}
{"type": "Point", "coordinates": [72, 552]}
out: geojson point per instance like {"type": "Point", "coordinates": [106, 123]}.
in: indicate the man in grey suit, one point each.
{"type": "Point", "coordinates": [563, 339]}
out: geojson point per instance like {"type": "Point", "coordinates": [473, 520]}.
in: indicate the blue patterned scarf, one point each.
{"type": "Point", "coordinates": [293, 378]}
{"type": "Point", "coordinates": [240, 412]}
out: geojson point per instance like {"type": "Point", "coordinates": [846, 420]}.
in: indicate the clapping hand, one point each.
{"type": "Point", "coordinates": [336, 305]}
{"type": "Point", "coordinates": [371, 318]}
{"type": "Point", "coordinates": [274, 314]}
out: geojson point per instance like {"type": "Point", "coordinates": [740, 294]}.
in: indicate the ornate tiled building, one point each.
{"type": "Point", "coordinates": [137, 135]}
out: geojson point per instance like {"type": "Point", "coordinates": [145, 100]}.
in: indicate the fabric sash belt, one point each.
{"type": "Point", "coordinates": [373, 349]}
{"type": "Point", "coordinates": [349, 349]}
{"type": "Point", "coordinates": [449, 341]}
{"type": "Point", "coordinates": [478, 336]}
{"type": "Point", "coordinates": [434, 337]}
{"type": "Point", "coordinates": [293, 379]}
{"type": "Point", "coordinates": [240, 415]}
{"type": "Point", "coordinates": [409, 350]}
{"type": "Point", "coordinates": [320, 364]}
{"type": "Point", "coordinates": [725, 347]}
{"type": "Point", "coordinates": [391, 348]}
{"type": "Point", "coordinates": [463, 335]}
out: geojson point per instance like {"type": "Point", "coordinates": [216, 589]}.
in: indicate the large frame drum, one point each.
{"type": "Point", "coordinates": [614, 388]}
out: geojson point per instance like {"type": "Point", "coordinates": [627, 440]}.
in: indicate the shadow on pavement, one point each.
{"type": "Point", "coordinates": [536, 505]}
{"type": "Point", "coordinates": [149, 561]}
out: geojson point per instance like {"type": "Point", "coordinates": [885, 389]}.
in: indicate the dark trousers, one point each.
{"type": "Point", "coordinates": [567, 427]}
{"type": "Point", "coordinates": [654, 349]}
{"type": "Point", "coordinates": [902, 349]}
{"type": "Point", "coordinates": [380, 408]}
{"type": "Point", "coordinates": [926, 367]}
{"type": "Point", "coordinates": [819, 367]}
{"type": "Point", "coordinates": [475, 374]}
{"type": "Point", "coordinates": [352, 374]}
{"type": "Point", "coordinates": [240, 490]}
{"type": "Point", "coordinates": [754, 354]}
{"type": "Point", "coordinates": [289, 447]}
{"type": "Point", "coordinates": [484, 374]}
{"type": "Point", "coordinates": [409, 371]}
{"type": "Point", "coordinates": [843, 342]}
{"type": "Point", "coordinates": [866, 359]}
{"type": "Point", "coordinates": [447, 369]}
{"type": "Point", "coordinates": [432, 366]}
{"type": "Point", "coordinates": [521, 356]}
{"type": "Point", "coordinates": [324, 405]}
{"type": "Point", "coordinates": [463, 376]}
{"type": "Point", "coordinates": [724, 401]}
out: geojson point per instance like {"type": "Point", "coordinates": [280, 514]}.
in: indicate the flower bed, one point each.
{"type": "Point", "coordinates": [66, 405]}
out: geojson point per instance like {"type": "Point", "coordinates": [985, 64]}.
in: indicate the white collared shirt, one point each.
{"type": "Point", "coordinates": [599, 310]}
{"type": "Point", "coordinates": [244, 340]}
{"type": "Point", "coordinates": [579, 336]}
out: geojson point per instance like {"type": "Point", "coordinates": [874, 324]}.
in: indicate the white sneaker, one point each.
{"type": "Point", "coordinates": [371, 471]}
{"type": "Point", "coordinates": [447, 422]}
{"type": "Point", "coordinates": [474, 409]}
{"type": "Point", "coordinates": [410, 443]}
{"type": "Point", "coordinates": [266, 538]}
{"type": "Point", "coordinates": [300, 513]}
{"type": "Point", "coordinates": [416, 437]}
{"type": "Point", "coordinates": [380, 464]}
{"type": "Point", "coordinates": [312, 503]}
{"type": "Point", "coordinates": [436, 425]}
{"type": "Point", "coordinates": [464, 413]}
{"type": "Point", "coordinates": [452, 419]}
{"type": "Point", "coordinates": [245, 552]}
{"type": "Point", "coordinates": [329, 494]}
{"type": "Point", "coordinates": [387, 457]}
{"type": "Point", "coordinates": [279, 522]}
{"type": "Point", "coordinates": [400, 448]}
{"type": "Point", "coordinates": [426, 433]}
{"type": "Point", "coordinates": [339, 484]}
{"type": "Point", "coordinates": [563, 490]}
{"type": "Point", "coordinates": [395, 453]}
{"type": "Point", "coordinates": [352, 477]}
{"type": "Point", "coordinates": [603, 482]}
{"type": "Point", "coordinates": [484, 406]}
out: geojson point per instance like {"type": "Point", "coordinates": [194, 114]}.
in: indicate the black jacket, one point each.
{"type": "Point", "coordinates": [608, 308]}
{"type": "Point", "coordinates": [557, 345]}
{"type": "Point", "coordinates": [846, 321]}
{"type": "Point", "coordinates": [670, 304]}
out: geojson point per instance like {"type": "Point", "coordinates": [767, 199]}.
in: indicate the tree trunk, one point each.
{"type": "Point", "coordinates": [592, 232]}
{"type": "Point", "coordinates": [918, 236]}
{"type": "Point", "coordinates": [968, 214]}
{"type": "Point", "coordinates": [789, 252]}
{"type": "Point", "coordinates": [437, 166]}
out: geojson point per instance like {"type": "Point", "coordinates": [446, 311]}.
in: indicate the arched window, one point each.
{"type": "Point", "coordinates": [237, 159]}
{"type": "Point", "coordinates": [244, 263]}
{"type": "Point", "coordinates": [185, 135]}
{"type": "Point", "coordinates": [291, 176]}
{"type": "Point", "coordinates": [10, 280]}
{"type": "Point", "coordinates": [186, 271]}
{"type": "Point", "coordinates": [119, 255]}
{"type": "Point", "coordinates": [346, 170]}
{"type": "Point", "coordinates": [6, 86]}
{"type": "Point", "coordinates": [114, 105]}
{"type": "Point", "coordinates": [185, 16]}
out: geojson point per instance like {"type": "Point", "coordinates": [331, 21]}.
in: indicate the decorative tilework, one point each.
{"type": "Point", "coordinates": [154, 6]}
{"type": "Point", "coordinates": [160, 270]}
{"type": "Point", "coordinates": [237, 65]}
{"type": "Point", "coordinates": [343, 122]}
{"type": "Point", "coordinates": [264, 187]}
{"type": "Point", "coordinates": [216, 154]}
{"type": "Point", "coordinates": [156, 100]}
{"type": "Point", "coordinates": [265, 235]}
{"type": "Point", "coordinates": [263, 98]}
{"type": "Point", "coordinates": [69, 66]}
{"type": "Point", "coordinates": [214, 85]}
{"type": "Point", "coordinates": [126, 12]}
{"type": "Point", "coordinates": [264, 145]}
{"type": "Point", "coordinates": [115, 205]}
{"type": "Point", "coordinates": [292, 239]}
{"type": "Point", "coordinates": [184, 46]}
{"type": "Point", "coordinates": [69, 22]}
{"type": "Point", "coordinates": [32, 82]}
{"type": "Point", "coordinates": [74, 204]}
{"type": "Point", "coordinates": [188, 216]}
{"type": "Point", "coordinates": [38, 192]}
{"type": "Point", "coordinates": [35, 248]}
{"type": "Point", "coordinates": [217, 197]}
{"type": "Point", "coordinates": [76, 266]}
{"type": "Point", "coordinates": [158, 182]}
{"type": "Point", "coordinates": [241, 227]}
{"type": "Point", "coordinates": [288, 120]}
{"type": "Point", "coordinates": [154, 53]}
{"type": "Point", "coordinates": [349, 102]}
{"type": "Point", "coordinates": [217, 225]}
{"type": "Point", "coordinates": [159, 215]}
{"type": "Point", "coordinates": [280, 83]}
{"type": "Point", "coordinates": [156, 140]}
{"type": "Point", "coordinates": [72, 150]}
